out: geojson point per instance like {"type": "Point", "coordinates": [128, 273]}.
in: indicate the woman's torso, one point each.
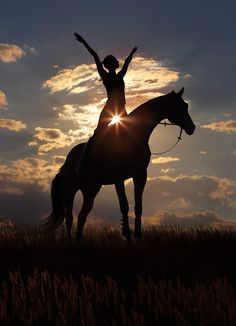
{"type": "Point", "coordinates": [115, 88]}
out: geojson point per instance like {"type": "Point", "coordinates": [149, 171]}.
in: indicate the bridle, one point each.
{"type": "Point", "coordinates": [178, 138]}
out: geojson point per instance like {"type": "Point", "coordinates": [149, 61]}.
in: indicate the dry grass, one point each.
{"type": "Point", "coordinates": [43, 299]}
{"type": "Point", "coordinates": [173, 276]}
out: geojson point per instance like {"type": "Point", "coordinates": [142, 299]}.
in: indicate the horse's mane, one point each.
{"type": "Point", "coordinates": [147, 105]}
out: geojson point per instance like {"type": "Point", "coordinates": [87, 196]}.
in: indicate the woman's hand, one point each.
{"type": "Point", "coordinates": [79, 38]}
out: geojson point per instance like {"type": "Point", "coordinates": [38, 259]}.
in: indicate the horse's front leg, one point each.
{"type": "Point", "coordinates": [89, 195]}
{"type": "Point", "coordinates": [124, 207]}
{"type": "Point", "coordinates": [139, 184]}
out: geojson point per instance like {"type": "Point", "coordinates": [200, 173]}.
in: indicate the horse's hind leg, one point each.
{"type": "Point", "coordinates": [88, 195]}
{"type": "Point", "coordinates": [139, 184]}
{"type": "Point", "coordinates": [124, 207]}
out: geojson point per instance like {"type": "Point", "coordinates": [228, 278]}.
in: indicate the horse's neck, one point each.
{"type": "Point", "coordinates": [146, 117]}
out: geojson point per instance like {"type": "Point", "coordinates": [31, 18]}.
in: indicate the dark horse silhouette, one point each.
{"type": "Point", "coordinates": [122, 153]}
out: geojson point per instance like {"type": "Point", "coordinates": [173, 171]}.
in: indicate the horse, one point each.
{"type": "Point", "coordinates": [121, 152]}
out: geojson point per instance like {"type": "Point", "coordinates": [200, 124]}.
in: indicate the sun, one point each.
{"type": "Point", "coordinates": [115, 119]}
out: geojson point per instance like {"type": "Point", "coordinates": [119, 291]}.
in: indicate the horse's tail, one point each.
{"type": "Point", "coordinates": [56, 218]}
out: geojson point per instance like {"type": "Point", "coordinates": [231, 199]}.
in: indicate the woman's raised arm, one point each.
{"type": "Point", "coordinates": [97, 60]}
{"type": "Point", "coordinates": [123, 71]}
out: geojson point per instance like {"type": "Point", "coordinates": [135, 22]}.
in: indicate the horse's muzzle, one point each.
{"type": "Point", "coordinates": [190, 131]}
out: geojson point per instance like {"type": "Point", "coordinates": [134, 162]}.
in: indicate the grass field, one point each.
{"type": "Point", "coordinates": [174, 276]}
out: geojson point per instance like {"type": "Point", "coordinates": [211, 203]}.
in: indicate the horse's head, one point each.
{"type": "Point", "coordinates": [177, 112]}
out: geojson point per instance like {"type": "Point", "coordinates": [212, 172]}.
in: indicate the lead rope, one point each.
{"type": "Point", "coordinates": [178, 138]}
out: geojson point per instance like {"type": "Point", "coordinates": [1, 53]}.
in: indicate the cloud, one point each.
{"type": "Point", "coordinates": [84, 120]}
{"type": "Point", "coordinates": [58, 160]}
{"type": "Point", "coordinates": [49, 139]}
{"type": "Point", "coordinates": [13, 125]}
{"type": "Point", "coordinates": [228, 126]}
{"type": "Point", "coordinates": [199, 196]}
{"type": "Point", "coordinates": [168, 170]}
{"type": "Point", "coordinates": [26, 208]}
{"type": "Point", "coordinates": [74, 80]}
{"type": "Point", "coordinates": [48, 134]}
{"type": "Point", "coordinates": [184, 200]}
{"type": "Point", "coordinates": [225, 189]}
{"type": "Point", "coordinates": [190, 194]}
{"type": "Point", "coordinates": [10, 52]}
{"type": "Point", "coordinates": [30, 49]}
{"type": "Point", "coordinates": [204, 218]}
{"type": "Point", "coordinates": [3, 100]}
{"type": "Point", "coordinates": [19, 174]}
{"type": "Point", "coordinates": [85, 117]}
{"type": "Point", "coordinates": [164, 160]}
{"type": "Point", "coordinates": [145, 78]}
{"type": "Point", "coordinates": [24, 188]}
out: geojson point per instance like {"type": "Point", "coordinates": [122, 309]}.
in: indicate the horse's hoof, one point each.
{"type": "Point", "coordinates": [126, 234]}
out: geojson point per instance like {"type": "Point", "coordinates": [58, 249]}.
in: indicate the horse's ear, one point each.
{"type": "Point", "coordinates": [181, 92]}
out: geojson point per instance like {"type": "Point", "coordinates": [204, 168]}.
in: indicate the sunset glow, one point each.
{"type": "Point", "coordinates": [115, 119]}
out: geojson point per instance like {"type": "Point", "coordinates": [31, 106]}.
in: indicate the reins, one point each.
{"type": "Point", "coordinates": [178, 138]}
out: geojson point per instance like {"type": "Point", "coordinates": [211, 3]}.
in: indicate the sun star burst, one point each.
{"type": "Point", "coordinates": [115, 119]}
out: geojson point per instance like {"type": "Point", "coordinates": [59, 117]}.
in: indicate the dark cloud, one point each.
{"type": "Point", "coordinates": [58, 160]}
{"type": "Point", "coordinates": [189, 194]}
{"type": "Point", "coordinates": [26, 208]}
{"type": "Point", "coordinates": [14, 145]}
{"type": "Point", "coordinates": [183, 196]}
{"type": "Point", "coordinates": [47, 134]}
{"type": "Point", "coordinates": [205, 218]}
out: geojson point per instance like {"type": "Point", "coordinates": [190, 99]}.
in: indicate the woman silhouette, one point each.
{"type": "Point", "coordinates": [113, 82]}
{"type": "Point", "coordinates": [115, 87]}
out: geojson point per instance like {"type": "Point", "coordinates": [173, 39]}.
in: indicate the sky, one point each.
{"type": "Point", "coordinates": [51, 97]}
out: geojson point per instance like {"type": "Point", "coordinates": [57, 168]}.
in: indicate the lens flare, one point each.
{"type": "Point", "coordinates": [115, 119]}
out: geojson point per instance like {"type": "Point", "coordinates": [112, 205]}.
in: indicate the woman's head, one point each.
{"type": "Point", "coordinates": [110, 62]}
